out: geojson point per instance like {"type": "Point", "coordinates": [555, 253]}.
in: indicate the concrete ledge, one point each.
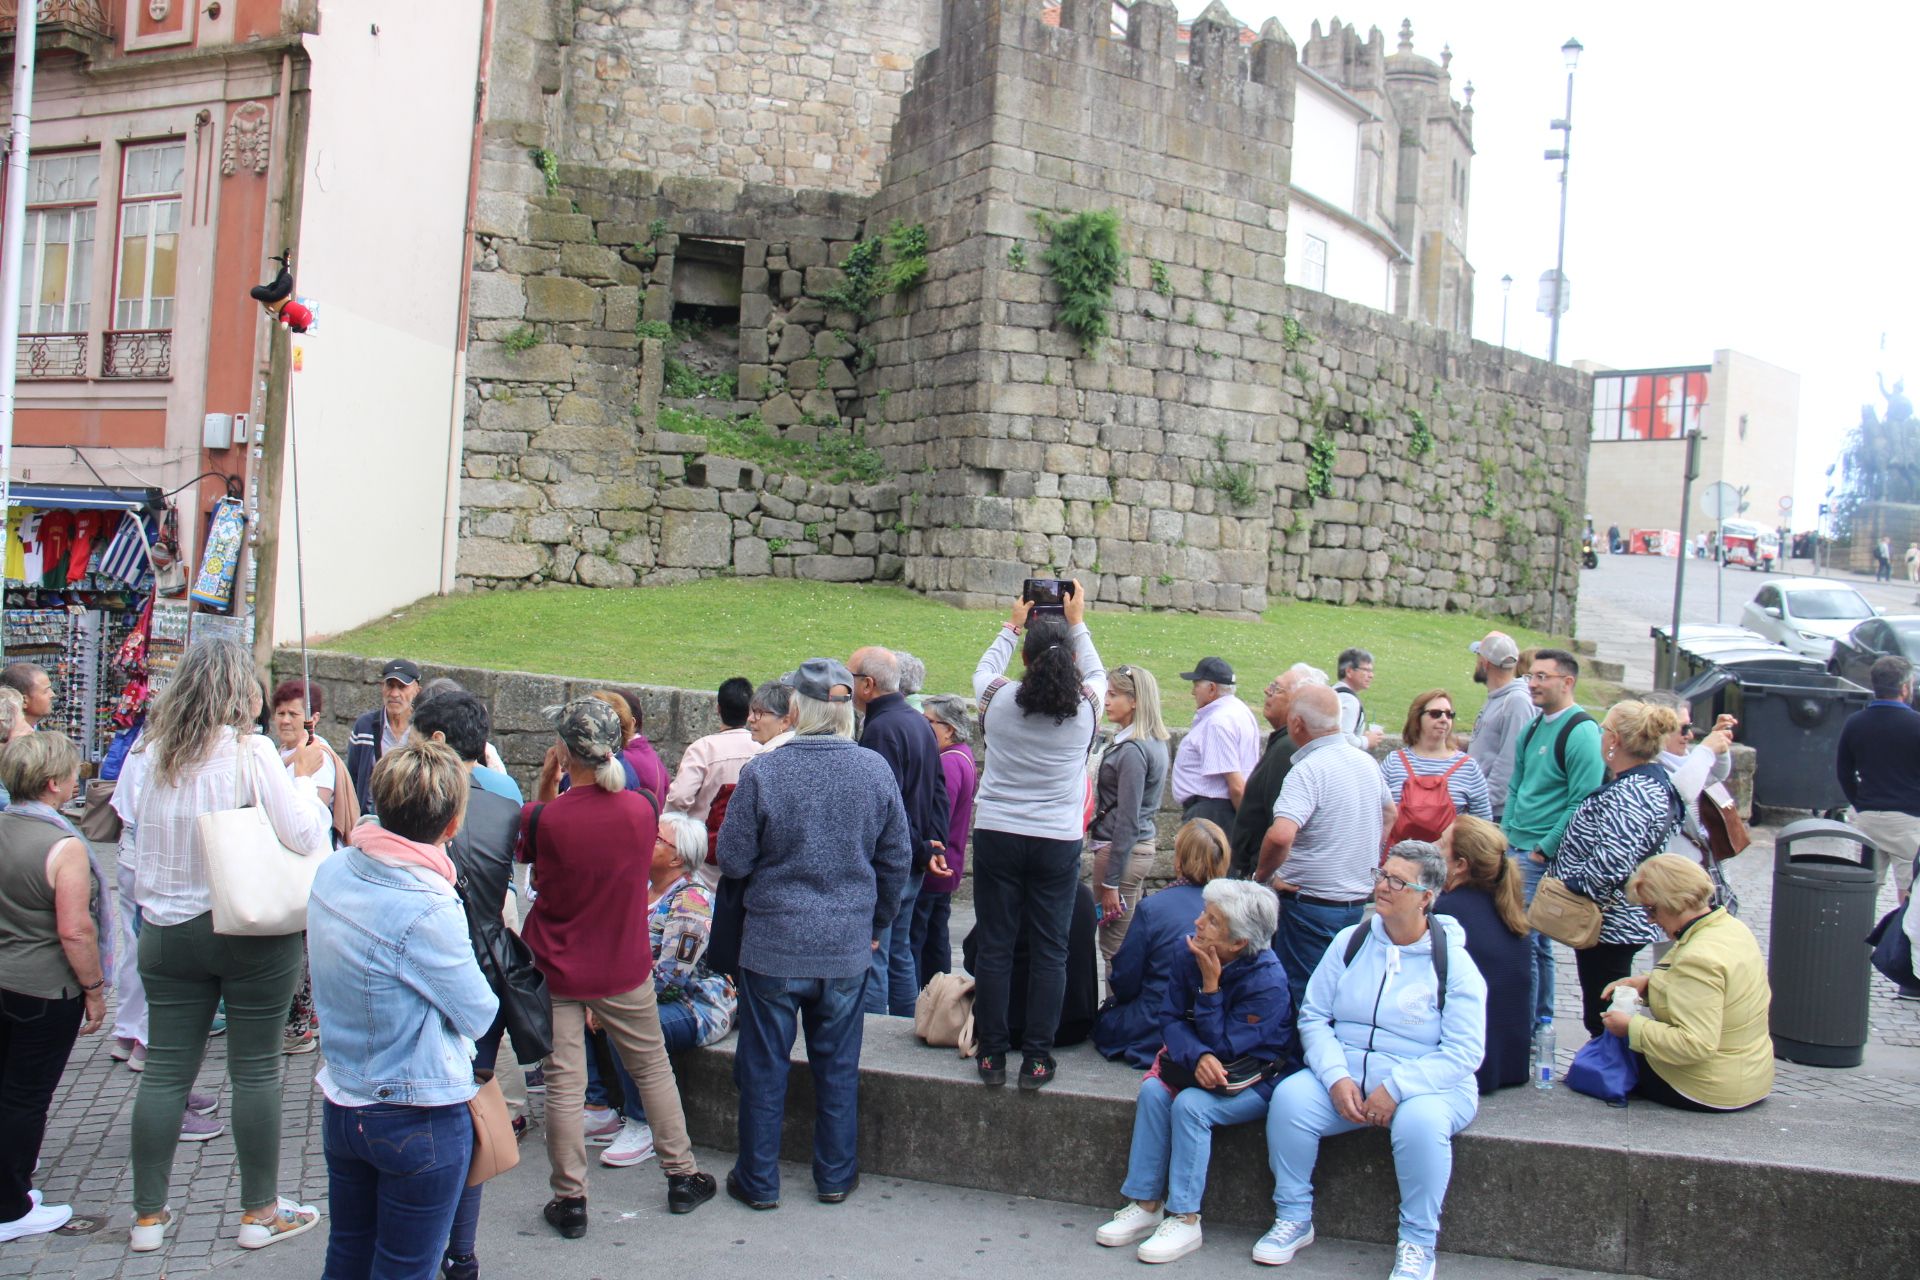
{"type": "Point", "coordinates": [1790, 1189]}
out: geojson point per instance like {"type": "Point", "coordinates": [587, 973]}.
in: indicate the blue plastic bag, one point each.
{"type": "Point", "coordinates": [1604, 1068]}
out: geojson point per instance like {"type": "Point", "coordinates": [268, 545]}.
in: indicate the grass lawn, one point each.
{"type": "Point", "coordinates": [696, 635]}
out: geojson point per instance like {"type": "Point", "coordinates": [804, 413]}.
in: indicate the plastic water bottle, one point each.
{"type": "Point", "coordinates": [1543, 1050]}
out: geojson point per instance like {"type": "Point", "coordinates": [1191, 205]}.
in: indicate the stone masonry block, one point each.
{"type": "Point", "coordinates": [558, 298]}
{"type": "Point", "coordinates": [696, 539]}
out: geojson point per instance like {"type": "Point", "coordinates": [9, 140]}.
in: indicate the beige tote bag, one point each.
{"type": "Point", "coordinates": [260, 886]}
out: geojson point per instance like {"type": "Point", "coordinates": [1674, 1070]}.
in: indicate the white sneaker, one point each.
{"type": "Point", "coordinates": [1284, 1239]}
{"type": "Point", "coordinates": [1129, 1226]}
{"type": "Point", "coordinates": [633, 1145]}
{"type": "Point", "coordinates": [1411, 1262]}
{"type": "Point", "coordinates": [39, 1220]}
{"type": "Point", "coordinates": [1176, 1238]}
{"type": "Point", "coordinates": [146, 1237]}
{"type": "Point", "coordinates": [290, 1221]}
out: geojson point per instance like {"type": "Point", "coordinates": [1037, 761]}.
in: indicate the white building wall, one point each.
{"type": "Point", "coordinates": [1358, 269]}
{"type": "Point", "coordinates": [1326, 143]}
{"type": "Point", "coordinates": [382, 235]}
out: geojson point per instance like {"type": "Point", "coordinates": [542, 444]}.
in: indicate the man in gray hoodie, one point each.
{"type": "Point", "coordinates": [1508, 712]}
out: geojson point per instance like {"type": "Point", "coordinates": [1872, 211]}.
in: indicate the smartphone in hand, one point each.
{"type": "Point", "coordinates": [1047, 596]}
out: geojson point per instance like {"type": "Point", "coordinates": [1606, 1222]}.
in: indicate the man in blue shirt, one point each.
{"type": "Point", "coordinates": [1879, 767]}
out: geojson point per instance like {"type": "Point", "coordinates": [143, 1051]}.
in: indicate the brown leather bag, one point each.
{"type": "Point", "coordinates": [1563, 915]}
{"type": "Point", "coordinates": [1720, 819]}
{"type": "Point", "coordinates": [496, 1148]}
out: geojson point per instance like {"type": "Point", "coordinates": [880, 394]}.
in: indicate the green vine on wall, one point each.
{"type": "Point", "coordinates": [1293, 334]}
{"type": "Point", "coordinates": [1086, 261]}
{"type": "Point", "coordinates": [1321, 455]}
{"type": "Point", "coordinates": [549, 166]}
{"type": "Point", "coordinates": [891, 263]}
{"type": "Point", "coordinates": [1421, 443]}
{"type": "Point", "coordinates": [1237, 482]}
{"type": "Point", "coordinates": [1157, 273]}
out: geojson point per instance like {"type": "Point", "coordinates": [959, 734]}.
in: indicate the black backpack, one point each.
{"type": "Point", "coordinates": [1364, 930]}
{"type": "Point", "coordinates": [1567, 727]}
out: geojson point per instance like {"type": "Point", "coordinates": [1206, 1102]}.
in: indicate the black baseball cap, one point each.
{"type": "Point", "coordinates": [1214, 669]}
{"type": "Point", "coordinates": [402, 670]}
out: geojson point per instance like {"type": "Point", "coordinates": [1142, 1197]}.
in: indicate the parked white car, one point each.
{"type": "Point", "coordinates": [1806, 614]}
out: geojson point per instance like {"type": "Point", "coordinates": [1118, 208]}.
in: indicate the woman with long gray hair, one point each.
{"type": "Point", "coordinates": [197, 754]}
{"type": "Point", "coordinates": [1394, 1023]}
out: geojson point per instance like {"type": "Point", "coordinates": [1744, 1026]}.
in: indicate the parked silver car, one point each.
{"type": "Point", "coordinates": [1806, 614]}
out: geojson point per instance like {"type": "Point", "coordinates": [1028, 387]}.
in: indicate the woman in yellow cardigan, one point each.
{"type": "Point", "coordinates": [1707, 1046]}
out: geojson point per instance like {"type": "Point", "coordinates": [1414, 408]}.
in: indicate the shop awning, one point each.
{"type": "Point", "coordinates": [84, 497]}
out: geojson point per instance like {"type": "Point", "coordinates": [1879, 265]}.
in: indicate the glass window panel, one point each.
{"type": "Point", "coordinates": [155, 170]}
{"type": "Point", "coordinates": [53, 274]}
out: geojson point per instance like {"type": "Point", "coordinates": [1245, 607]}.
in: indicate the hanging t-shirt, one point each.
{"type": "Point", "coordinates": [16, 562]}
{"type": "Point", "coordinates": [31, 559]}
{"type": "Point", "coordinates": [56, 540]}
{"type": "Point", "coordinates": [89, 528]}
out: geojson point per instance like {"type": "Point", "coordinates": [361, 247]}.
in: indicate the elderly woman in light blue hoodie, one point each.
{"type": "Point", "coordinates": [1393, 1027]}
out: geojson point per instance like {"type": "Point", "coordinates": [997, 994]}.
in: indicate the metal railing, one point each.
{"type": "Point", "coordinates": [53, 355]}
{"type": "Point", "coordinates": [89, 16]}
{"type": "Point", "coordinates": [137, 353]}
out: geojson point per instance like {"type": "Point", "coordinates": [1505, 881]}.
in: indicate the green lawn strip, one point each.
{"type": "Point", "coordinates": [697, 634]}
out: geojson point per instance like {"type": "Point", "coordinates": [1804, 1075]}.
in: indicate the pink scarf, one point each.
{"type": "Point", "coordinates": [384, 846]}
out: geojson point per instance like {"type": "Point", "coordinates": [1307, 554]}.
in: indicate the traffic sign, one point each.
{"type": "Point", "coordinates": [1719, 501]}
{"type": "Point", "coordinates": [1786, 503]}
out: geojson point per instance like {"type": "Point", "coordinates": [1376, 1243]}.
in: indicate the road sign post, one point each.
{"type": "Point", "coordinates": [1718, 501]}
{"type": "Point", "coordinates": [1680, 569]}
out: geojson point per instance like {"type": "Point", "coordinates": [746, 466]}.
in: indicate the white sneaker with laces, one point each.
{"type": "Point", "coordinates": [1129, 1226]}
{"type": "Point", "coordinates": [1284, 1239]}
{"type": "Point", "coordinates": [1175, 1238]}
{"type": "Point", "coordinates": [1411, 1262]}
{"type": "Point", "coordinates": [633, 1145]}
{"type": "Point", "coordinates": [38, 1220]}
{"type": "Point", "coordinates": [290, 1220]}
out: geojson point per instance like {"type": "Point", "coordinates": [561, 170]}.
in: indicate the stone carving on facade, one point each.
{"type": "Point", "coordinates": [248, 132]}
{"type": "Point", "coordinates": [159, 9]}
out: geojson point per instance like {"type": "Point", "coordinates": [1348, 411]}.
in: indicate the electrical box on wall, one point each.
{"type": "Point", "coordinates": [217, 431]}
{"type": "Point", "coordinates": [239, 428]}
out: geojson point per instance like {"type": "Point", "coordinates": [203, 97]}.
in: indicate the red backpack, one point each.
{"type": "Point", "coordinates": [1426, 805]}
{"type": "Point", "coordinates": [716, 816]}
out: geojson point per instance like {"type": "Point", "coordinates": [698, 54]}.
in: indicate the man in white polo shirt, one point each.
{"type": "Point", "coordinates": [1321, 851]}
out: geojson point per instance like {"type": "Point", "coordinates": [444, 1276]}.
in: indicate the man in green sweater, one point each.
{"type": "Point", "coordinates": [1556, 765]}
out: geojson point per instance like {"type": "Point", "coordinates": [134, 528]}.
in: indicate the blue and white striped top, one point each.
{"type": "Point", "coordinates": [1468, 786]}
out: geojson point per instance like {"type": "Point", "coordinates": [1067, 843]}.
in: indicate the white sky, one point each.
{"type": "Point", "coordinates": [1741, 178]}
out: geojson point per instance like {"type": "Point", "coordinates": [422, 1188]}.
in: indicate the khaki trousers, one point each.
{"type": "Point", "coordinates": [1133, 879]}
{"type": "Point", "coordinates": [1898, 835]}
{"type": "Point", "coordinates": [632, 1022]}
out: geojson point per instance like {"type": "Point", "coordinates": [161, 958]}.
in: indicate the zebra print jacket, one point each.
{"type": "Point", "coordinates": [1613, 831]}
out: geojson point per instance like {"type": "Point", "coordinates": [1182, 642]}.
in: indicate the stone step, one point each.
{"type": "Point", "coordinates": [1553, 1178]}
{"type": "Point", "coordinates": [1600, 668]}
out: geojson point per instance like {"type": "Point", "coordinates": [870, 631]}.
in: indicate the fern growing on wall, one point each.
{"type": "Point", "coordinates": [1086, 261]}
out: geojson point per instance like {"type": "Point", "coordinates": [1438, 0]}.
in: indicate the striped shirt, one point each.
{"type": "Point", "coordinates": [1467, 786]}
{"type": "Point", "coordinates": [1337, 796]}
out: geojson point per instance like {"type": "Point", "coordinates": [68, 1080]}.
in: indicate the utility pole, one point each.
{"type": "Point", "coordinates": [1680, 570]}
{"type": "Point", "coordinates": [1571, 52]}
{"type": "Point", "coordinates": [26, 38]}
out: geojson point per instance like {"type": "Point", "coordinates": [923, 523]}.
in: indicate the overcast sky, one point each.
{"type": "Point", "coordinates": [1740, 179]}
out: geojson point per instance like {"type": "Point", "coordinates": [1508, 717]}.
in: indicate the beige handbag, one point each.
{"type": "Point", "coordinates": [943, 1014]}
{"type": "Point", "coordinates": [1563, 915]}
{"type": "Point", "coordinates": [260, 887]}
{"type": "Point", "coordinates": [496, 1148]}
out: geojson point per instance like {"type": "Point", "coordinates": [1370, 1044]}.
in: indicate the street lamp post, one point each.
{"type": "Point", "coordinates": [1570, 51]}
{"type": "Point", "coordinates": [1506, 289]}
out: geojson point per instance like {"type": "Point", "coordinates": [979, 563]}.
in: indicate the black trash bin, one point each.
{"type": "Point", "coordinates": [1694, 638]}
{"type": "Point", "coordinates": [1791, 715]}
{"type": "Point", "coordinates": [1817, 955]}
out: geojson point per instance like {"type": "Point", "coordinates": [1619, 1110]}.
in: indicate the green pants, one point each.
{"type": "Point", "coordinates": [188, 969]}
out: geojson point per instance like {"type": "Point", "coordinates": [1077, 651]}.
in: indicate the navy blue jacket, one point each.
{"type": "Point", "coordinates": [1879, 758]}
{"type": "Point", "coordinates": [902, 737]}
{"type": "Point", "coordinates": [1251, 1013]}
{"type": "Point", "coordinates": [363, 752]}
{"type": "Point", "coordinates": [1129, 1024]}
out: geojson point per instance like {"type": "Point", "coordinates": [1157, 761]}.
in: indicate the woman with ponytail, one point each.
{"type": "Point", "coordinates": [1484, 894]}
{"type": "Point", "coordinates": [1029, 817]}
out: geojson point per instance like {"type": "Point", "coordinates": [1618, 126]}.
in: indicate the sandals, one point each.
{"type": "Point", "coordinates": [291, 1220]}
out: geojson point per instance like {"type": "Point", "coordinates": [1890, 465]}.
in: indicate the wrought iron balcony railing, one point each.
{"type": "Point", "coordinates": [87, 17]}
{"type": "Point", "coordinates": [137, 353]}
{"type": "Point", "coordinates": [53, 355]}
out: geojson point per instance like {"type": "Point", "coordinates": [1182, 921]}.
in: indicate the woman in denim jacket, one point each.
{"type": "Point", "coordinates": [403, 999]}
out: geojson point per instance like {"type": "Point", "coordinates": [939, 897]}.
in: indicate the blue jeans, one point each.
{"type": "Point", "coordinates": [1305, 931]}
{"type": "Point", "coordinates": [394, 1177]}
{"type": "Point", "coordinates": [890, 982]}
{"type": "Point", "coordinates": [1422, 1130]}
{"type": "Point", "coordinates": [1531, 873]}
{"type": "Point", "coordinates": [1173, 1140]}
{"type": "Point", "coordinates": [830, 1012]}
{"type": "Point", "coordinates": [931, 942]}
{"type": "Point", "coordinates": [1021, 878]}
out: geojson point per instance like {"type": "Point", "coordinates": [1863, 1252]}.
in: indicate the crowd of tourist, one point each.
{"type": "Point", "coordinates": [1345, 942]}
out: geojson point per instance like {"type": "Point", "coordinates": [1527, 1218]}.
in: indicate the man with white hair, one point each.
{"type": "Point", "coordinates": [1263, 784]}
{"type": "Point", "coordinates": [1321, 850]}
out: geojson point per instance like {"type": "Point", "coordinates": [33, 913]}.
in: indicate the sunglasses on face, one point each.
{"type": "Point", "coordinates": [1439, 713]}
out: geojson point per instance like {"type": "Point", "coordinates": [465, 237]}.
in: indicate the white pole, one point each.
{"type": "Point", "coordinates": [26, 35]}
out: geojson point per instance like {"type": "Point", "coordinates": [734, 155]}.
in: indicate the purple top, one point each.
{"type": "Point", "coordinates": [647, 766]}
{"type": "Point", "coordinates": [958, 770]}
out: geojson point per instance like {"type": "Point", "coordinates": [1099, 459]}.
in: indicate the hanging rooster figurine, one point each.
{"type": "Point", "coordinates": [278, 300]}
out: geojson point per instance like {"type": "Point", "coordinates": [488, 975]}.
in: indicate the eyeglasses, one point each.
{"type": "Point", "coordinates": [1540, 677]}
{"type": "Point", "coordinates": [1394, 883]}
{"type": "Point", "coordinates": [1438, 713]}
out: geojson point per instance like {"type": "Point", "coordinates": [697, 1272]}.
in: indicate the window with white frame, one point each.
{"type": "Point", "coordinates": [149, 235]}
{"type": "Point", "coordinates": [62, 192]}
{"type": "Point", "coordinates": [1314, 273]}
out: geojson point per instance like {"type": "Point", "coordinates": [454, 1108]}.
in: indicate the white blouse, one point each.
{"type": "Point", "coordinates": [159, 836]}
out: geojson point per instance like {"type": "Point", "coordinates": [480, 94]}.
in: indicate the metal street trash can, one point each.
{"type": "Point", "coordinates": [1791, 716]}
{"type": "Point", "coordinates": [1817, 956]}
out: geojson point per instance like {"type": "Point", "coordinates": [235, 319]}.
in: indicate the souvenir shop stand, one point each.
{"type": "Point", "coordinates": [81, 600]}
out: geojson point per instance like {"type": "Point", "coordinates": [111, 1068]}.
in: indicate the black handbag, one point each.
{"type": "Point", "coordinates": [526, 1007]}
{"type": "Point", "coordinates": [1241, 1073]}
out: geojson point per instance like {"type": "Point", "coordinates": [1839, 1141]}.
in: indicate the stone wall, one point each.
{"type": "Point", "coordinates": [802, 95]}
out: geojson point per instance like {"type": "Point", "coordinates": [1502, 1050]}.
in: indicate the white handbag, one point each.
{"type": "Point", "coordinates": [260, 886]}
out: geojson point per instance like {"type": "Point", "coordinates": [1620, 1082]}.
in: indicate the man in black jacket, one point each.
{"type": "Point", "coordinates": [382, 729]}
{"type": "Point", "coordinates": [1263, 784]}
{"type": "Point", "coordinates": [902, 737]}
{"type": "Point", "coordinates": [1878, 760]}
